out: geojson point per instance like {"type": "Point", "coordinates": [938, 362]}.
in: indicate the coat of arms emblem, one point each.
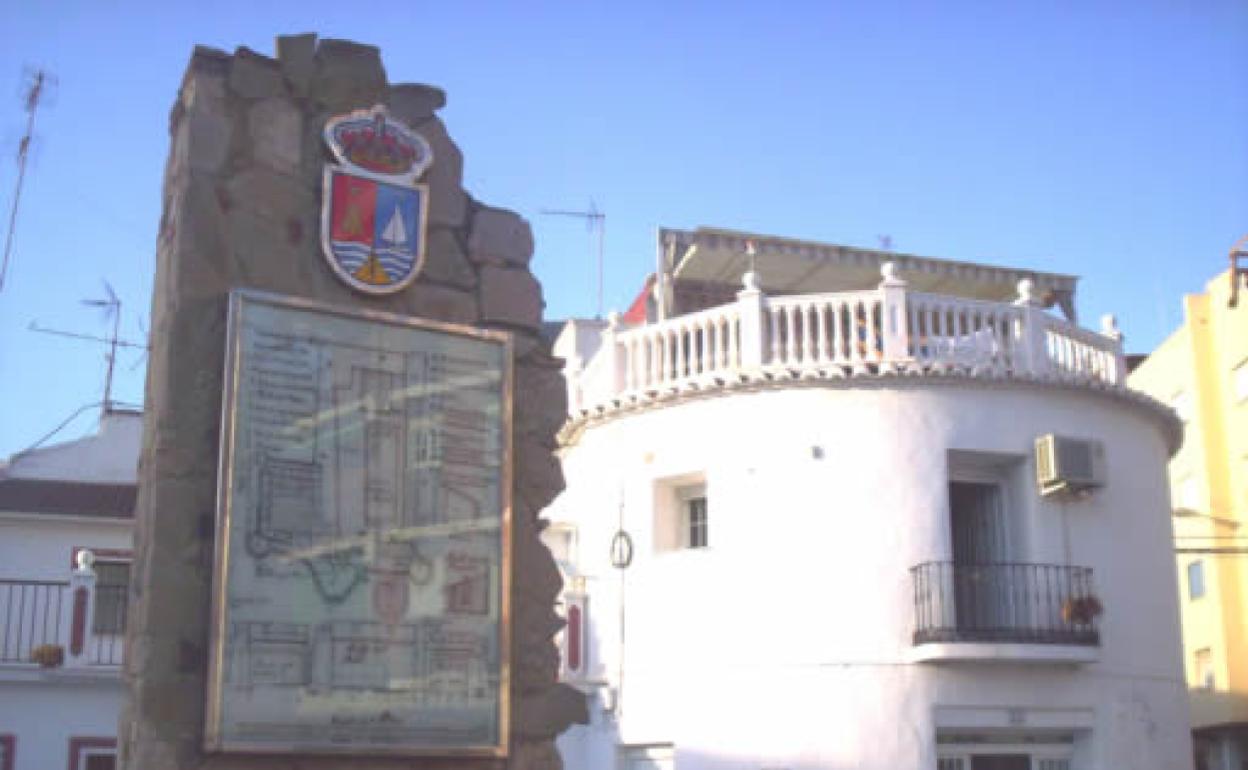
{"type": "Point", "coordinates": [373, 214]}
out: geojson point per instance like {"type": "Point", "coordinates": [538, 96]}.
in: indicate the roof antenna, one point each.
{"type": "Point", "coordinates": [886, 242]}
{"type": "Point", "coordinates": [34, 93]}
{"type": "Point", "coordinates": [111, 307]}
{"type": "Point", "coordinates": [594, 220]}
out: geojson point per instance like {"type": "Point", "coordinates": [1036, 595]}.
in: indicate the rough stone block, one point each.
{"type": "Point", "coordinates": [510, 297]}
{"type": "Point", "coordinates": [266, 194]}
{"type": "Point", "coordinates": [204, 89]}
{"type": "Point", "coordinates": [448, 203]}
{"type": "Point", "coordinates": [541, 402]}
{"type": "Point", "coordinates": [275, 127]}
{"type": "Point", "coordinates": [200, 142]}
{"type": "Point", "coordinates": [441, 303]}
{"type": "Point", "coordinates": [535, 755]}
{"type": "Point", "coordinates": [499, 236]}
{"type": "Point", "coordinates": [549, 712]}
{"type": "Point", "coordinates": [296, 55]}
{"type": "Point", "coordinates": [253, 76]}
{"type": "Point", "coordinates": [349, 76]}
{"type": "Point", "coordinates": [446, 261]}
{"type": "Point", "coordinates": [414, 103]}
{"type": "Point", "coordinates": [539, 476]}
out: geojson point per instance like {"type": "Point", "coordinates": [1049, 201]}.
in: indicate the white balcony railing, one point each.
{"type": "Point", "coordinates": [846, 334]}
{"type": "Point", "coordinates": [85, 623]}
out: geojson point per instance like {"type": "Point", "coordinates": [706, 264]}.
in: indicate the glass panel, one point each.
{"type": "Point", "coordinates": [364, 522]}
{"type": "Point", "coordinates": [100, 762]}
{"type": "Point", "coordinates": [1195, 580]}
{"type": "Point", "coordinates": [697, 522]}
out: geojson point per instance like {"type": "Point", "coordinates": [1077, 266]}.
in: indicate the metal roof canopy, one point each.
{"type": "Point", "coordinates": [790, 266]}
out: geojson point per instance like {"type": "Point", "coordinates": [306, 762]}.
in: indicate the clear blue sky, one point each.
{"type": "Point", "coordinates": [1106, 139]}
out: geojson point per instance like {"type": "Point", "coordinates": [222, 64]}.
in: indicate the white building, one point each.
{"type": "Point", "coordinates": [56, 503]}
{"type": "Point", "coordinates": [840, 553]}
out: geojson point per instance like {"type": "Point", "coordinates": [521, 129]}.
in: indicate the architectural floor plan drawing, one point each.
{"type": "Point", "coordinates": [367, 516]}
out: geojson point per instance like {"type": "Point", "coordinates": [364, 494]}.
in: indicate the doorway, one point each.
{"type": "Point", "coordinates": [980, 556]}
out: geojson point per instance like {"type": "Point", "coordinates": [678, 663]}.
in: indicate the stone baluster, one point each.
{"type": "Point", "coordinates": [1033, 349]}
{"type": "Point", "coordinates": [896, 343]}
{"type": "Point", "coordinates": [750, 305]}
{"type": "Point", "coordinates": [78, 613]}
{"type": "Point", "coordinates": [615, 362]}
{"type": "Point", "coordinates": [1116, 371]}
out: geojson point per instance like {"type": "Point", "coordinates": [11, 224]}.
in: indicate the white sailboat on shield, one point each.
{"type": "Point", "coordinates": [395, 233]}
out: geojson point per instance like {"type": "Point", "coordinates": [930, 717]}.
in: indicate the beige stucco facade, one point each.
{"type": "Point", "coordinates": [1202, 371]}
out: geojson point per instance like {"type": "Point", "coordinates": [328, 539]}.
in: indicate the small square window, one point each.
{"type": "Point", "coordinates": [1195, 580]}
{"type": "Point", "coordinates": [696, 522]}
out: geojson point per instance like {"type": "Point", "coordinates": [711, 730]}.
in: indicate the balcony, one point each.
{"type": "Point", "coordinates": [1006, 612]}
{"type": "Point", "coordinates": [86, 622]}
{"type": "Point", "coordinates": [880, 332]}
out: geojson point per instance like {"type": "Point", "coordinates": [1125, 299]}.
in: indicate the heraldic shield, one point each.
{"type": "Point", "coordinates": [373, 214]}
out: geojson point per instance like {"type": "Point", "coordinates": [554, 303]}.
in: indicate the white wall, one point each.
{"type": "Point", "coordinates": [109, 456]}
{"type": "Point", "coordinates": [786, 642]}
{"type": "Point", "coordinates": [39, 547]}
{"type": "Point", "coordinates": [45, 714]}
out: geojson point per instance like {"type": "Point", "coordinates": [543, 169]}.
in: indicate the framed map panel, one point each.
{"type": "Point", "coordinates": [360, 594]}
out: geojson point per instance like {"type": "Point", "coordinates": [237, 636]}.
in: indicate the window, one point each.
{"type": "Point", "coordinates": [682, 514]}
{"type": "Point", "coordinates": [1181, 402]}
{"type": "Point", "coordinates": [1204, 668]}
{"type": "Point", "coordinates": [695, 522]}
{"type": "Point", "coordinates": [92, 753]}
{"type": "Point", "coordinates": [1239, 381]}
{"type": "Point", "coordinates": [1195, 580]}
{"type": "Point", "coordinates": [998, 750]}
{"type": "Point", "coordinates": [112, 581]}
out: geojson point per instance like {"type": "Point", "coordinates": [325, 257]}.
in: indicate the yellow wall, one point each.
{"type": "Point", "coordinates": [1209, 488]}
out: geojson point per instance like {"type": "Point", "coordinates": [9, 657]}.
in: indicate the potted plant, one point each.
{"type": "Point", "coordinates": [48, 655]}
{"type": "Point", "coordinates": [1082, 610]}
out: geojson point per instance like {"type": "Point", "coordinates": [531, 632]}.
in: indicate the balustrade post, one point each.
{"type": "Point", "coordinates": [1117, 363]}
{"type": "Point", "coordinates": [613, 359]}
{"type": "Point", "coordinates": [750, 306]}
{"type": "Point", "coordinates": [894, 326]}
{"type": "Point", "coordinates": [78, 612]}
{"type": "Point", "coordinates": [1032, 343]}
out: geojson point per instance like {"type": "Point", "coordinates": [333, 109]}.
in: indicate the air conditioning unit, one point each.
{"type": "Point", "coordinates": [1069, 464]}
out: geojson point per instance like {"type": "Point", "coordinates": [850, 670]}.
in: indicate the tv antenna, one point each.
{"type": "Point", "coordinates": [111, 308]}
{"type": "Point", "coordinates": [34, 94]}
{"type": "Point", "coordinates": [595, 220]}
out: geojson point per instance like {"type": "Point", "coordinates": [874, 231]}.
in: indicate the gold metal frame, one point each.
{"type": "Point", "coordinates": [212, 740]}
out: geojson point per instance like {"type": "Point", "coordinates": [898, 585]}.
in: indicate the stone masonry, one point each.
{"type": "Point", "coordinates": [242, 200]}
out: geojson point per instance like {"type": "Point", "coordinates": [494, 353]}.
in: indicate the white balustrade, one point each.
{"type": "Point", "coordinates": [950, 331]}
{"type": "Point", "coordinates": [1081, 353]}
{"type": "Point", "coordinates": [689, 348]}
{"type": "Point", "coordinates": [857, 333]}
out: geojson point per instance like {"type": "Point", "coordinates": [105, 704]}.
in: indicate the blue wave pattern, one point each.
{"type": "Point", "coordinates": [397, 259]}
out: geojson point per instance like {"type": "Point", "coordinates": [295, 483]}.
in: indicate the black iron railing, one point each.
{"type": "Point", "coordinates": [30, 615]}
{"type": "Point", "coordinates": [1021, 603]}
